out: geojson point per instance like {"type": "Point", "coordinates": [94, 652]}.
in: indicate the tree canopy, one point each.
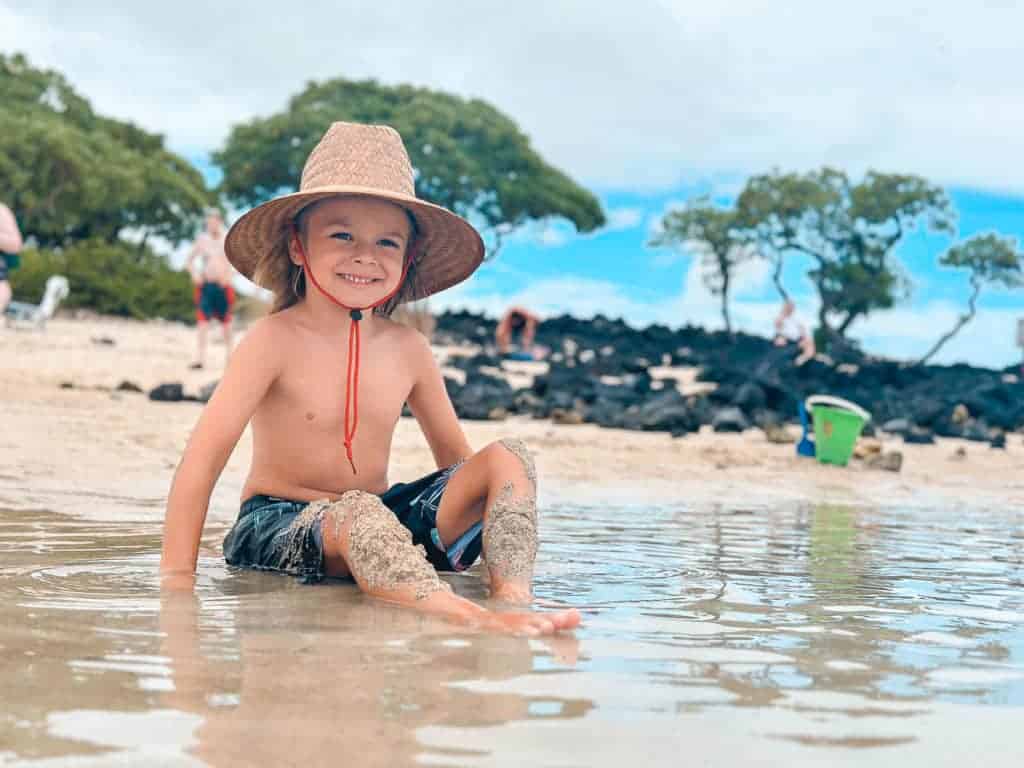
{"type": "Point", "coordinates": [70, 174]}
{"type": "Point", "coordinates": [991, 260]}
{"type": "Point", "coordinates": [849, 230]}
{"type": "Point", "coordinates": [467, 155]}
{"type": "Point", "coordinates": [711, 234]}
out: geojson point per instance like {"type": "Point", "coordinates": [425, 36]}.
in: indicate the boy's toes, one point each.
{"type": "Point", "coordinates": [569, 619]}
{"type": "Point", "coordinates": [543, 625]}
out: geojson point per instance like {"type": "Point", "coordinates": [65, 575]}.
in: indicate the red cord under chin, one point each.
{"type": "Point", "coordinates": [354, 347]}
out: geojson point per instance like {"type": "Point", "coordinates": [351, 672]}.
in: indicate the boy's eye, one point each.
{"type": "Point", "coordinates": [342, 235]}
{"type": "Point", "coordinates": [387, 242]}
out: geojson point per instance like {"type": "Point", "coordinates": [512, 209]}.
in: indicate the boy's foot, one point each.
{"type": "Point", "coordinates": [510, 592]}
{"type": "Point", "coordinates": [532, 624]}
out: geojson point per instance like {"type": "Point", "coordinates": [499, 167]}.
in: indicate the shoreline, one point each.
{"type": "Point", "coordinates": [110, 455]}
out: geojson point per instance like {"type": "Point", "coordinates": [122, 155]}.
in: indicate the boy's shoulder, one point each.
{"type": "Point", "coordinates": [272, 332]}
{"type": "Point", "coordinates": [399, 335]}
{"type": "Point", "coordinates": [405, 342]}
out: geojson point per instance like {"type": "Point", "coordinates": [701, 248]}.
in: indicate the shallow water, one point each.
{"type": "Point", "coordinates": [801, 635]}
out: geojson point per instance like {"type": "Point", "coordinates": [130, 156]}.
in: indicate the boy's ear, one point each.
{"type": "Point", "coordinates": [293, 247]}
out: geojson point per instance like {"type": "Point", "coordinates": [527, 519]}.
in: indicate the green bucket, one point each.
{"type": "Point", "coordinates": [837, 425]}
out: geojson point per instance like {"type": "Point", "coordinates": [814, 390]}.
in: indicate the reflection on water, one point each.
{"type": "Point", "coordinates": [805, 634]}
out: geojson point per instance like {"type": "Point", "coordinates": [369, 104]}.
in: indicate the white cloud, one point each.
{"type": "Point", "coordinates": [668, 257]}
{"type": "Point", "coordinates": [617, 94]}
{"type": "Point", "coordinates": [622, 218]}
{"type": "Point", "coordinates": [578, 296]}
{"type": "Point", "coordinates": [551, 236]}
{"type": "Point", "coordinates": [586, 297]}
{"type": "Point", "coordinates": [988, 340]}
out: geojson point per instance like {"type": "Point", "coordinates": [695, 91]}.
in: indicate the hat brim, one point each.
{"type": "Point", "coordinates": [448, 251]}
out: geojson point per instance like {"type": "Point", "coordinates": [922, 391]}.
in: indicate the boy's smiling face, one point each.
{"type": "Point", "coordinates": [355, 246]}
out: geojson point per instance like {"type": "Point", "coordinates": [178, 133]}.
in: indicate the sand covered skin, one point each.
{"type": "Point", "coordinates": [381, 552]}
{"type": "Point", "coordinates": [111, 454]}
{"type": "Point", "coordinates": [510, 535]}
{"type": "Point", "coordinates": [510, 525]}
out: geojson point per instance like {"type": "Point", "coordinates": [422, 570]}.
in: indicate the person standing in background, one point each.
{"type": "Point", "coordinates": [212, 274]}
{"type": "Point", "coordinates": [10, 245]}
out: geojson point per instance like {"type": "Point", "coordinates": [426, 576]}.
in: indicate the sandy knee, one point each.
{"type": "Point", "coordinates": [523, 454]}
{"type": "Point", "coordinates": [381, 554]}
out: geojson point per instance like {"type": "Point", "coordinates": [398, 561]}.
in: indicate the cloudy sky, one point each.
{"type": "Point", "coordinates": [646, 102]}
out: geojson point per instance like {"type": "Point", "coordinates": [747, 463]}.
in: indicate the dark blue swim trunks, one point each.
{"type": "Point", "coordinates": [271, 533]}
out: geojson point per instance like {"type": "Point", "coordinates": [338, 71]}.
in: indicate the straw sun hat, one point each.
{"type": "Point", "coordinates": [370, 161]}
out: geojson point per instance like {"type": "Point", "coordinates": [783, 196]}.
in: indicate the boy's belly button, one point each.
{"type": "Point", "coordinates": [309, 416]}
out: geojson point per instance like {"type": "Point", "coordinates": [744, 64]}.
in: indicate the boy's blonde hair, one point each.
{"type": "Point", "coordinates": [287, 280]}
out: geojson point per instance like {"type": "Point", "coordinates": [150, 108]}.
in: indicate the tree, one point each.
{"type": "Point", "coordinates": [991, 260]}
{"type": "Point", "coordinates": [711, 234]}
{"type": "Point", "coordinates": [467, 155]}
{"type": "Point", "coordinates": [849, 230]}
{"type": "Point", "coordinates": [70, 174]}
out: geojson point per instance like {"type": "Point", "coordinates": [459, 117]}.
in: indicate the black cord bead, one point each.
{"type": "Point", "coordinates": [356, 315]}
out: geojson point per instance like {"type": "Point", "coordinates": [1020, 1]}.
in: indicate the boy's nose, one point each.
{"type": "Point", "coordinates": [364, 255]}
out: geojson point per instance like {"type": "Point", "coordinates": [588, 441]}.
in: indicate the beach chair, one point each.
{"type": "Point", "coordinates": [35, 315]}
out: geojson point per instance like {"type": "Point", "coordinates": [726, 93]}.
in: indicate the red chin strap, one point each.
{"type": "Point", "coordinates": [352, 369]}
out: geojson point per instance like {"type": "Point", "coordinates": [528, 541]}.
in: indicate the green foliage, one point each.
{"type": "Point", "coordinates": [467, 155]}
{"type": "Point", "coordinates": [711, 234]}
{"type": "Point", "coordinates": [69, 174]}
{"type": "Point", "coordinates": [109, 278]}
{"type": "Point", "coordinates": [991, 260]}
{"type": "Point", "coordinates": [849, 230]}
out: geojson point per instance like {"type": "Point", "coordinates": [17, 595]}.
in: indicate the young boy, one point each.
{"type": "Point", "coordinates": [324, 378]}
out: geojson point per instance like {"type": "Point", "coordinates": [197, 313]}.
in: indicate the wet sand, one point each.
{"type": "Point", "coordinates": [741, 606]}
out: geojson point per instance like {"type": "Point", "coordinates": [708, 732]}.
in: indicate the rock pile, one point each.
{"type": "Point", "coordinates": [600, 371]}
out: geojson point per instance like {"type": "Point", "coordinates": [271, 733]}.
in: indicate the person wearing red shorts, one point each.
{"type": "Point", "coordinates": [211, 277]}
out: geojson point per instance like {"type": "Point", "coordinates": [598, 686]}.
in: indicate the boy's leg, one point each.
{"type": "Point", "coordinates": [201, 323]}
{"type": "Point", "coordinates": [363, 538]}
{"type": "Point", "coordinates": [499, 486]}
{"type": "Point", "coordinates": [201, 327]}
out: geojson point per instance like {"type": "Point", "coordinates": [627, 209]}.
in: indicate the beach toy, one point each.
{"type": "Point", "coordinates": [805, 447]}
{"type": "Point", "coordinates": [837, 425]}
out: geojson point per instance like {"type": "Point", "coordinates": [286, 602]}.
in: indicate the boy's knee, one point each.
{"type": "Point", "coordinates": [381, 553]}
{"type": "Point", "coordinates": [517, 448]}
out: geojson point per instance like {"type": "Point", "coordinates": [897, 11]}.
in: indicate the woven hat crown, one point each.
{"type": "Point", "coordinates": [367, 161]}
{"type": "Point", "coordinates": [371, 156]}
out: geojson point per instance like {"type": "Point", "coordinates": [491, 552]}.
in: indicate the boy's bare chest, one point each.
{"type": "Point", "coordinates": [316, 394]}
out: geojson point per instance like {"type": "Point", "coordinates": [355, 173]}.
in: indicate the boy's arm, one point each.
{"type": "Point", "coordinates": [10, 235]}
{"type": "Point", "coordinates": [190, 260]}
{"type": "Point", "coordinates": [253, 367]}
{"type": "Point", "coordinates": [433, 409]}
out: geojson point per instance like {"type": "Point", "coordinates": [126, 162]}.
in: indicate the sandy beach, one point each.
{"type": "Point", "coordinates": [738, 601]}
{"type": "Point", "coordinates": [76, 442]}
